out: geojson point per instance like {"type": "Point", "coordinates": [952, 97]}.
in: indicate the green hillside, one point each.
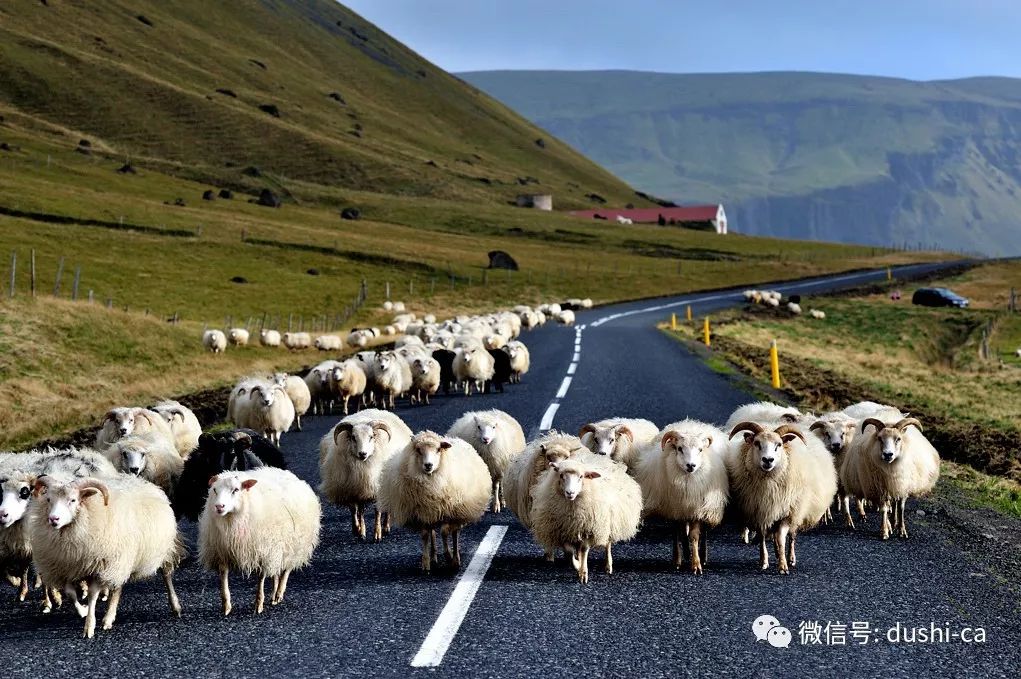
{"type": "Point", "coordinates": [810, 155]}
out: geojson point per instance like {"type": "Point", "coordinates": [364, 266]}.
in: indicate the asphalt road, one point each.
{"type": "Point", "coordinates": [364, 609]}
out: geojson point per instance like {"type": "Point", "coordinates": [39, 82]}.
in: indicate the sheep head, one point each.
{"type": "Point", "coordinates": [555, 451]}
{"type": "Point", "coordinates": [133, 455]}
{"type": "Point", "coordinates": [123, 419]}
{"type": "Point", "coordinates": [836, 434]}
{"type": "Point", "coordinates": [487, 428]}
{"type": "Point", "coordinates": [890, 436]}
{"type": "Point", "coordinates": [64, 500]}
{"type": "Point", "coordinates": [764, 448]}
{"type": "Point", "coordinates": [15, 491]}
{"type": "Point", "coordinates": [428, 449]}
{"type": "Point", "coordinates": [571, 478]}
{"type": "Point", "coordinates": [226, 492]}
{"type": "Point", "coordinates": [688, 449]}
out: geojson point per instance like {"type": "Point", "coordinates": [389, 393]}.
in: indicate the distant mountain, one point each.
{"type": "Point", "coordinates": [806, 155]}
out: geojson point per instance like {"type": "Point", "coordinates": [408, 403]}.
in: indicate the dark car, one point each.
{"type": "Point", "coordinates": [938, 297]}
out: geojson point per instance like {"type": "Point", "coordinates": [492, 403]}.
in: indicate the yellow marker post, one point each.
{"type": "Point", "coordinates": [689, 312]}
{"type": "Point", "coordinates": [889, 274]}
{"type": "Point", "coordinates": [673, 321]}
{"type": "Point", "coordinates": [705, 331]}
{"type": "Point", "coordinates": [774, 364]}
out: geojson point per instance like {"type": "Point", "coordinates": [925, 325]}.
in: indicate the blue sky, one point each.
{"type": "Point", "coordinates": [917, 39]}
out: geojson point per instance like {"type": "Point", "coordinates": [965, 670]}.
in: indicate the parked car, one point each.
{"type": "Point", "coordinates": [938, 297]}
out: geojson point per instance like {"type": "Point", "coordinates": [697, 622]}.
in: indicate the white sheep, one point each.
{"type": "Point", "coordinates": [121, 422]}
{"type": "Point", "coordinates": [215, 341]}
{"type": "Point", "coordinates": [524, 470]}
{"type": "Point", "coordinates": [328, 343]}
{"type": "Point", "coordinates": [238, 337]}
{"type": "Point", "coordinates": [104, 533]}
{"type": "Point", "coordinates": [425, 378]}
{"type": "Point", "coordinates": [497, 438]}
{"type": "Point", "coordinates": [794, 308]}
{"type": "Point", "coordinates": [566, 317]}
{"type": "Point", "coordinates": [887, 465]}
{"type": "Point", "coordinates": [586, 303]}
{"type": "Point", "coordinates": [267, 409]}
{"type": "Point", "coordinates": [782, 482]}
{"type": "Point", "coordinates": [772, 302]}
{"type": "Point", "coordinates": [297, 390]}
{"type": "Point", "coordinates": [866, 409]}
{"type": "Point", "coordinates": [296, 341]}
{"type": "Point", "coordinates": [351, 460]}
{"type": "Point", "coordinates": [237, 395]}
{"type": "Point", "coordinates": [836, 431]}
{"type": "Point", "coordinates": [764, 411]}
{"type": "Point", "coordinates": [473, 366]}
{"type": "Point", "coordinates": [152, 458]}
{"type": "Point", "coordinates": [392, 376]}
{"type": "Point", "coordinates": [184, 425]}
{"type": "Point", "coordinates": [520, 360]}
{"type": "Point", "coordinates": [620, 438]}
{"type": "Point", "coordinates": [263, 521]}
{"type": "Point", "coordinates": [347, 380]}
{"type": "Point", "coordinates": [436, 482]}
{"type": "Point", "coordinates": [269, 338]}
{"type": "Point", "coordinates": [816, 313]}
{"type": "Point", "coordinates": [683, 477]}
{"type": "Point", "coordinates": [388, 305]}
{"type": "Point", "coordinates": [582, 503]}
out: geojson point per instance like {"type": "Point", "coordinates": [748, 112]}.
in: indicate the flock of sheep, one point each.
{"type": "Point", "coordinates": [91, 520]}
{"type": "Point", "coordinates": [774, 299]}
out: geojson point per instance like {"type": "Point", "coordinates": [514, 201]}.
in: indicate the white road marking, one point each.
{"type": "Point", "coordinates": [571, 368]}
{"type": "Point", "coordinates": [564, 386]}
{"type": "Point", "coordinates": [547, 418]}
{"type": "Point", "coordinates": [449, 621]}
{"type": "Point", "coordinates": [577, 355]}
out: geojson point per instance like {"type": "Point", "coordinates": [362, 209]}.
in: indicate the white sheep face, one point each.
{"type": "Point", "coordinates": [487, 430]}
{"type": "Point", "coordinates": [225, 493]}
{"type": "Point", "coordinates": [133, 460]}
{"type": "Point", "coordinates": [267, 397]}
{"type": "Point", "coordinates": [16, 494]}
{"type": "Point", "coordinates": [363, 441]}
{"type": "Point", "coordinates": [604, 440]}
{"type": "Point", "coordinates": [836, 436]}
{"type": "Point", "coordinates": [429, 454]}
{"type": "Point", "coordinates": [572, 482]}
{"type": "Point", "coordinates": [689, 450]}
{"type": "Point", "coordinates": [124, 420]}
{"type": "Point", "coordinates": [64, 502]}
{"type": "Point", "coordinates": [891, 442]}
{"type": "Point", "coordinates": [766, 451]}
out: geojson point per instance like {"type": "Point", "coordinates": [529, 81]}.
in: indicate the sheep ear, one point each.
{"type": "Point", "coordinates": [444, 445]}
{"type": "Point", "coordinates": [212, 480]}
{"type": "Point", "coordinates": [625, 431]}
{"type": "Point", "coordinates": [592, 475]}
{"type": "Point", "coordinates": [111, 416]}
{"type": "Point", "coordinates": [790, 437]}
{"type": "Point", "coordinates": [88, 492]}
{"type": "Point", "coordinates": [748, 436]}
{"type": "Point", "coordinates": [668, 438]}
{"type": "Point", "coordinates": [248, 483]}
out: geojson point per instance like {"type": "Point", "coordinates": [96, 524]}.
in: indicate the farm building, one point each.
{"type": "Point", "coordinates": [708, 217]}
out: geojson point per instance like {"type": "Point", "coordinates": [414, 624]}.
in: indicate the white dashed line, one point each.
{"type": "Point", "coordinates": [571, 368]}
{"type": "Point", "coordinates": [445, 628]}
{"type": "Point", "coordinates": [564, 386]}
{"type": "Point", "coordinates": [577, 355]}
{"type": "Point", "coordinates": [547, 419]}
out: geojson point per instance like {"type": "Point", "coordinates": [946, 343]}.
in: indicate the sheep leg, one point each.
{"type": "Point", "coordinates": [845, 503]}
{"type": "Point", "coordinates": [903, 525]}
{"type": "Point", "coordinates": [694, 533]}
{"type": "Point", "coordinates": [23, 586]}
{"type": "Point", "coordinates": [861, 509]}
{"type": "Point", "coordinates": [168, 581]}
{"type": "Point", "coordinates": [361, 520]}
{"type": "Point", "coordinates": [278, 596]}
{"type": "Point", "coordinates": [13, 580]}
{"type": "Point", "coordinates": [550, 555]}
{"type": "Point", "coordinates": [445, 532]}
{"type": "Point", "coordinates": [678, 553]}
{"type": "Point", "coordinates": [609, 558]}
{"type": "Point", "coordinates": [51, 595]}
{"type": "Point", "coordinates": [705, 549]}
{"type": "Point", "coordinates": [386, 523]}
{"type": "Point", "coordinates": [583, 564]}
{"type": "Point", "coordinates": [377, 533]}
{"type": "Point", "coordinates": [297, 419]}
{"type": "Point", "coordinates": [225, 590]}
{"type": "Point", "coordinates": [496, 497]}
{"type": "Point", "coordinates": [793, 557]}
{"type": "Point", "coordinates": [427, 548]}
{"type": "Point", "coordinates": [780, 543]}
{"type": "Point", "coordinates": [455, 536]}
{"type": "Point", "coordinates": [746, 536]}
{"type": "Point", "coordinates": [354, 519]}
{"type": "Point", "coordinates": [260, 593]}
{"type": "Point", "coordinates": [79, 607]}
{"type": "Point", "coordinates": [886, 529]}
{"type": "Point", "coordinates": [763, 551]}
{"type": "Point", "coordinates": [90, 615]}
{"type": "Point", "coordinates": [111, 608]}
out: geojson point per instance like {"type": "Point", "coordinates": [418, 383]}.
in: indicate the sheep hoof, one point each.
{"type": "Point", "coordinates": [783, 570]}
{"type": "Point", "coordinates": [763, 565]}
{"type": "Point", "coordinates": [696, 569]}
{"type": "Point", "coordinates": [107, 625]}
{"type": "Point", "coordinates": [226, 610]}
{"type": "Point", "coordinates": [583, 577]}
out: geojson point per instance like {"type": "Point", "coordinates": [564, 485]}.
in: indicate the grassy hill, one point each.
{"type": "Point", "coordinates": [807, 155]}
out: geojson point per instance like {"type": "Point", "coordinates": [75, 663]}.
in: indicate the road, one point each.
{"type": "Point", "coordinates": [364, 609]}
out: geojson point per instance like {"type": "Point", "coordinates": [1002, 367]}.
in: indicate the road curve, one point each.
{"type": "Point", "coordinates": [365, 609]}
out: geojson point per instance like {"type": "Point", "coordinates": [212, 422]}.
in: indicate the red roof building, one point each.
{"type": "Point", "coordinates": [697, 216]}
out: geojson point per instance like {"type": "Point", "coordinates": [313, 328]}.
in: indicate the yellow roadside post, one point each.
{"type": "Point", "coordinates": [705, 331]}
{"type": "Point", "coordinates": [889, 274]}
{"type": "Point", "coordinates": [774, 364]}
{"type": "Point", "coordinates": [673, 321]}
{"type": "Point", "coordinates": [689, 312]}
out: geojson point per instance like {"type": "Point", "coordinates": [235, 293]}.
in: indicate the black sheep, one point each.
{"type": "Point", "coordinates": [501, 370]}
{"type": "Point", "coordinates": [446, 360]}
{"type": "Point", "coordinates": [236, 450]}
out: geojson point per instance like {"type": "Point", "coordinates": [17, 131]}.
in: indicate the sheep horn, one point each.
{"type": "Point", "coordinates": [343, 427]}
{"type": "Point", "coordinates": [98, 485]}
{"type": "Point", "coordinates": [750, 426]}
{"type": "Point", "coordinates": [878, 424]}
{"type": "Point", "coordinates": [667, 438]}
{"type": "Point", "coordinates": [907, 422]}
{"type": "Point", "coordinates": [587, 429]}
{"type": "Point", "coordinates": [817, 425]}
{"type": "Point", "coordinates": [785, 430]}
{"type": "Point", "coordinates": [379, 425]}
{"type": "Point", "coordinates": [624, 430]}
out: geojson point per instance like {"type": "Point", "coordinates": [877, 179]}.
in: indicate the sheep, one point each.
{"type": "Point", "coordinates": [183, 425]}
{"type": "Point", "coordinates": [235, 450]}
{"type": "Point", "coordinates": [520, 360]}
{"type": "Point", "coordinates": [393, 376]}
{"type": "Point", "coordinates": [524, 470]}
{"type": "Point", "coordinates": [583, 503]}
{"type": "Point", "coordinates": [425, 378]}
{"type": "Point", "coordinates": [445, 358]}
{"type": "Point", "coordinates": [399, 307]}
{"type": "Point", "coordinates": [389, 330]}
{"type": "Point", "coordinates": [794, 308]}
{"type": "Point", "coordinates": [888, 465]}
{"type": "Point", "coordinates": [502, 372]}
{"type": "Point", "coordinates": [772, 301]}
{"type": "Point", "coordinates": [297, 390]}
{"type": "Point", "coordinates": [619, 438]}
{"type": "Point", "coordinates": [815, 313]}
{"type": "Point", "coordinates": [296, 341]}
{"type": "Point", "coordinates": [473, 366]}
{"type": "Point", "coordinates": [409, 340]}
{"type": "Point", "coordinates": [328, 343]}
{"type": "Point", "coordinates": [267, 409]}
{"type": "Point", "coordinates": [683, 477]}
{"type": "Point", "coordinates": [566, 317]}
{"type": "Point", "coordinates": [121, 422]}
{"type": "Point", "coordinates": [497, 438]}
{"type": "Point", "coordinates": [238, 394]}
{"type": "Point", "coordinates": [436, 482]}
{"type": "Point", "coordinates": [269, 338]}
{"type": "Point", "coordinates": [351, 460]}
{"type": "Point", "coordinates": [866, 409]}
{"type": "Point", "coordinates": [215, 341]}
{"type": "Point", "coordinates": [347, 380]}
{"type": "Point", "coordinates": [105, 533]}
{"type": "Point", "coordinates": [836, 431]}
{"type": "Point", "coordinates": [263, 521]}
{"type": "Point", "coordinates": [586, 303]}
{"type": "Point", "coordinates": [152, 458]}
{"type": "Point", "coordinates": [764, 411]}
{"type": "Point", "coordinates": [238, 337]}
{"type": "Point", "coordinates": [780, 486]}
{"type": "Point", "coordinates": [388, 305]}
{"type": "Point", "coordinates": [1017, 352]}
{"type": "Point", "coordinates": [357, 339]}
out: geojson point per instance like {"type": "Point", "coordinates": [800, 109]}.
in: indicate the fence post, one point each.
{"type": "Point", "coordinates": [411, 287]}
{"type": "Point", "coordinates": [673, 321]}
{"type": "Point", "coordinates": [1013, 301]}
{"type": "Point", "coordinates": [388, 289]}
{"type": "Point", "coordinates": [432, 285]}
{"type": "Point", "coordinates": [14, 269]}
{"type": "Point", "coordinates": [689, 312]}
{"type": "Point", "coordinates": [774, 365]}
{"type": "Point", "coordinates": [90, 299]}
{"type": "Point", "coordinates": [32, 271]}
{"type": "Point", "coordinates": [60, 272]}
{"type": "Point", "coordinates": [705, 332]}
{"type": "Point", "coordinates": [74, 286]}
